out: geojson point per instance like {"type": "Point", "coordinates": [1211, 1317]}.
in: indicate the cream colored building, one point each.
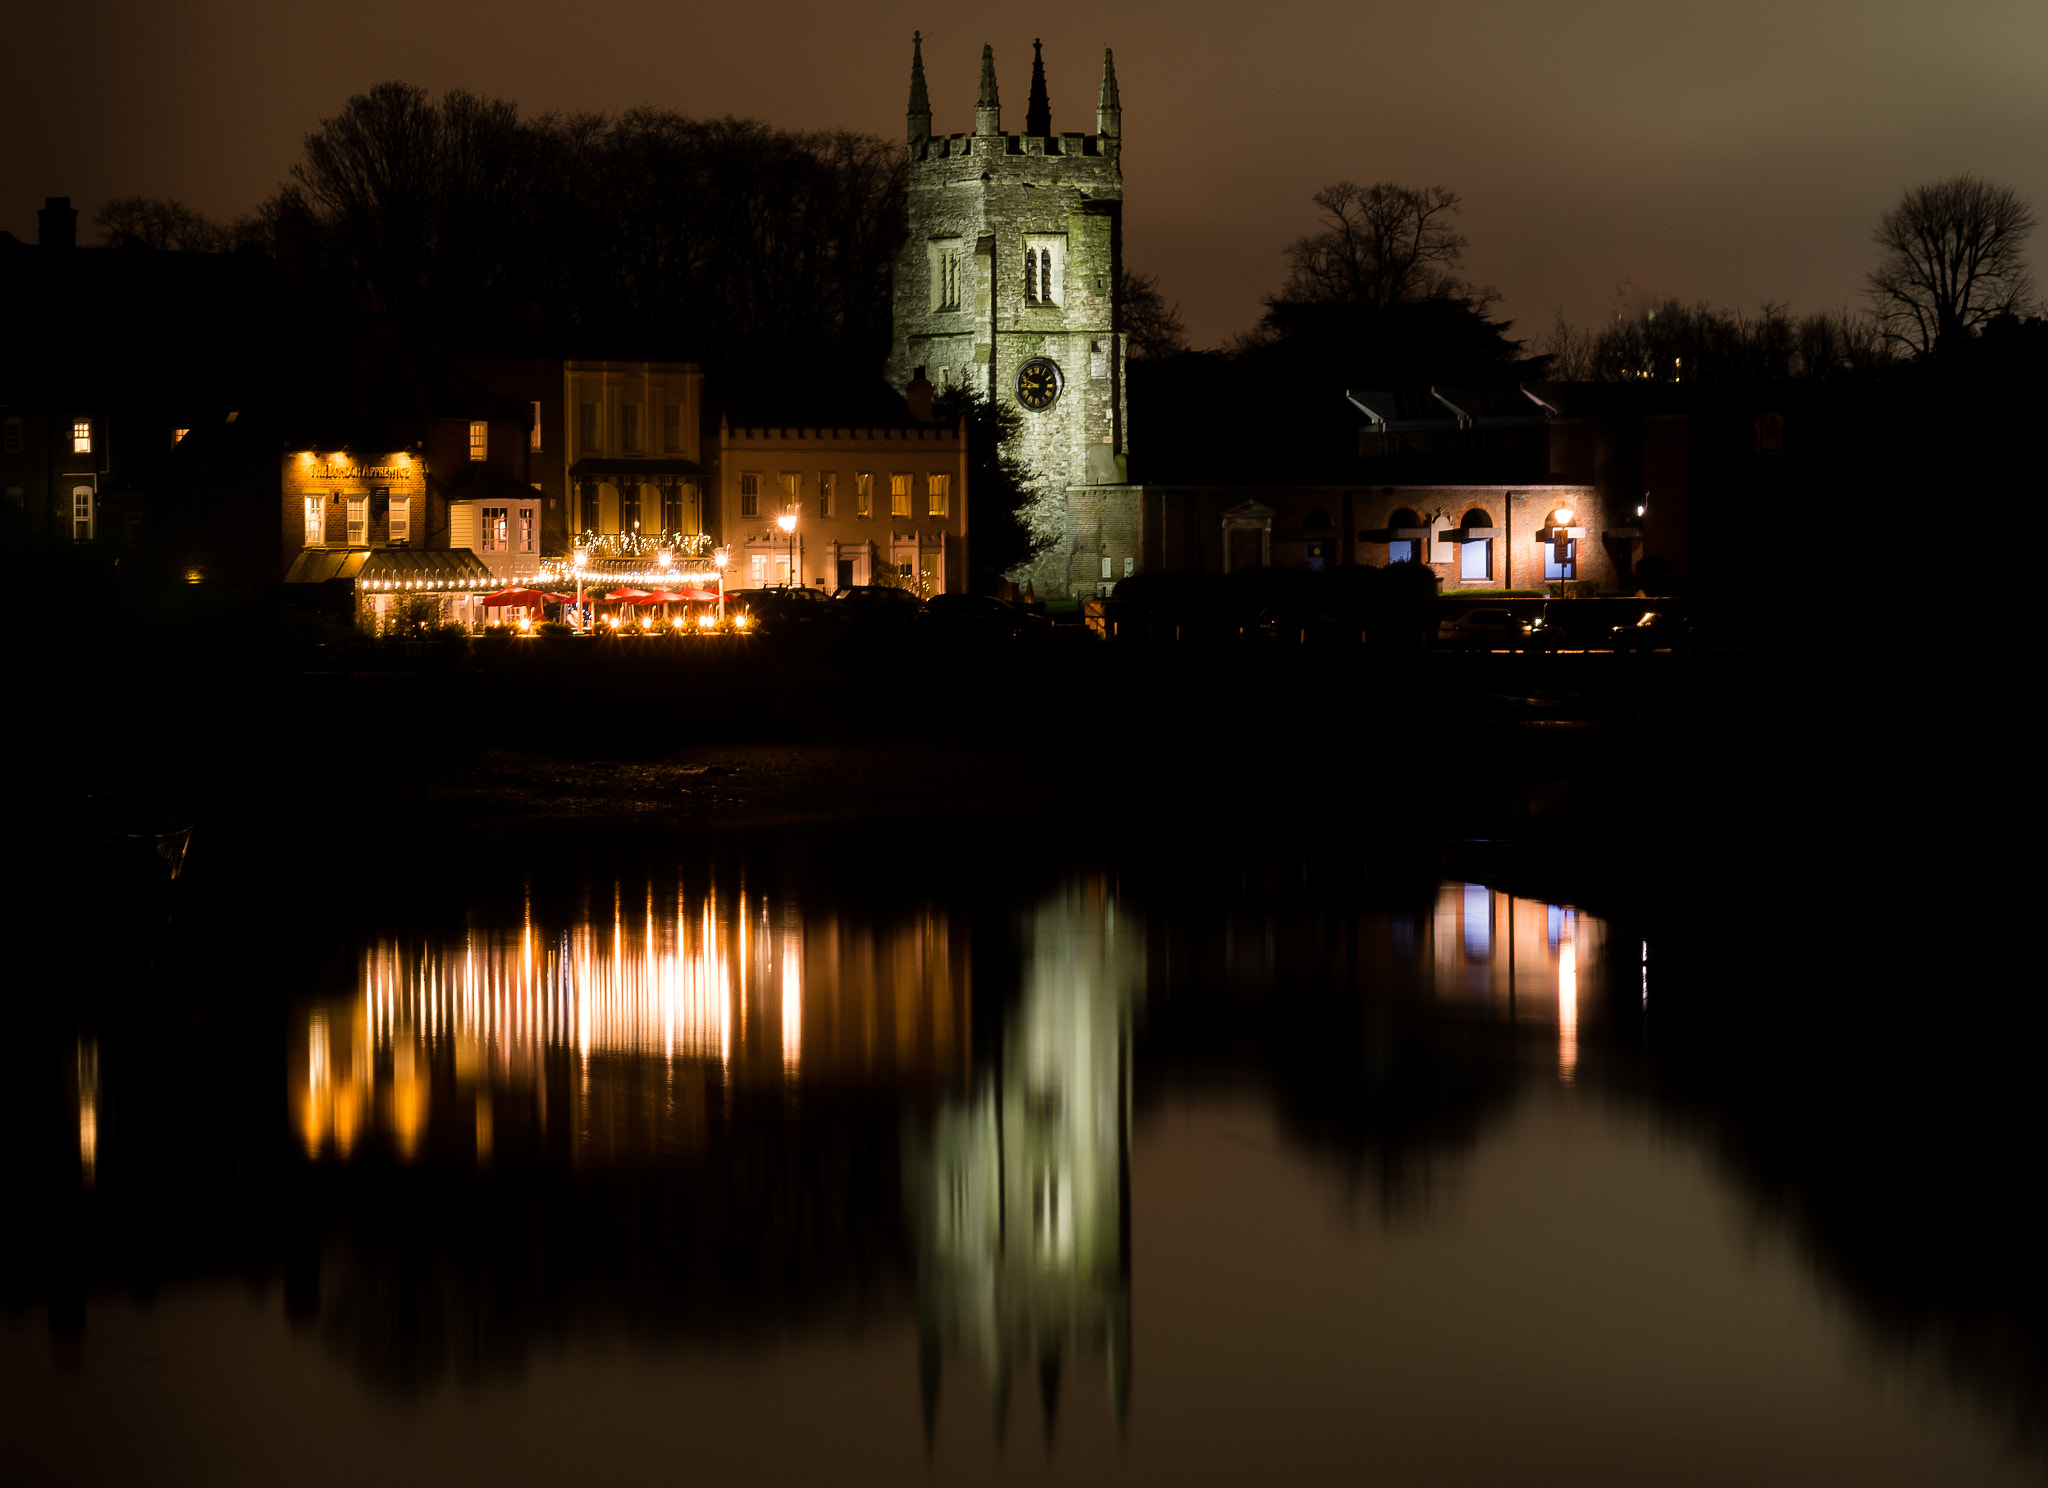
{"type": "Point", "coordinates": [872, 506]}
{"type": "Point", "coordinates": [631, 449]}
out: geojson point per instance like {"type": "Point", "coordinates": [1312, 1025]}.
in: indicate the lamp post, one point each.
{"type": "Point", "coordinates": [577, 561]}
{"type": "Point", "coordinates": [787, 522]}
{"type": "Point", "coordinates": [719, 558]}
{"type": "Point", "coordinates": [662, 559]}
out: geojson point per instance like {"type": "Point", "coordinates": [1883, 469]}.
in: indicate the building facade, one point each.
{"type": "Point", "coordinates": [871, 506]}
{"type": "Point", "coordinates": [1471, 536]}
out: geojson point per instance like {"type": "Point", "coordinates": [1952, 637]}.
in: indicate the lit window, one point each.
{"type": "Point", "coordinates": [863, 495]}
{"type": "Point", "coordinates": [672, 428]}
{"type": "Point", "coordinates": [788, 482]}
{"type": "Point", "coordinates": [940, 488]}
{"type": "Point", "coordinates": [533, 439]}
{"type": "Point", "coordinates": [526, 529]}
{"type": "Point", "coordinates": [494, 528]}
{"type": "Point", "coordinates": [358, 524]}
{"type": "Point", "coordinates": [899, 495]}
{"type": "Point", "coordinates": [905, 569]}
{"type": "Point", "coordinates": [81, 437]}
{"type": "Point", "coordinates": [10, 437]}
{"type": "Point", "coordinates": [401, 519]}
{"type": "Point", "coordinates": [629, 426]}
{"type": "Point", "coordinates": [316, 521]}
{"type": "Point", "coordinates": [479, 439]}
{"type": "Point", "coordinates": [178, 435]}
{"type": "Point", "coordinates": [750, 495]}
{"type": "Point", "coordinates": [1561, 559]}
{"type": "Point", "coordinates": [827, 486]}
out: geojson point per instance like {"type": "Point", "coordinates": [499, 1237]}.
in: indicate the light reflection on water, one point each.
{"type": "Point", "coordinates": [689, 1058]}
{"type": "Point", "coordinates": [747, 991]}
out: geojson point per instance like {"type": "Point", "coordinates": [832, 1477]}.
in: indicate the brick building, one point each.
{"type": "Point", "coordinates": [872, 504]}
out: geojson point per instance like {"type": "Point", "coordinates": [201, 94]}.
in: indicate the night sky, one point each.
{"type": "Point", "coordinates": [1739, 152]}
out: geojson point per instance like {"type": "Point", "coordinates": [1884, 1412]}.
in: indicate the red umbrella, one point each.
{"type": "Point", "coordinates": [567, 599]}
{"type": "Point", "coordinates": [697, 594]}
{"type": "Point", "coordinates": [658, 596]}
{"type": "Point", "coordinates": [516, 597]}
{"type": "Point", "coordinates": [620, 595]}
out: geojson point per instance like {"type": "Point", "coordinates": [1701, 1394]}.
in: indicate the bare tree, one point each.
{"type": "Point", "coordinates": [158, 222]}
{"type": "Point", "coordinates": [1382, 245]}
{"type": "Point", "coordinates": [1153, 325]}
{"type": "Point", "coordinates": [1954, 257]}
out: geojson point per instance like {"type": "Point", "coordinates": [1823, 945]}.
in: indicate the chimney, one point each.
{"type": "Point", "coordinates": [57, 223]}
{"type": "Point", "coordinates": [919, 396]}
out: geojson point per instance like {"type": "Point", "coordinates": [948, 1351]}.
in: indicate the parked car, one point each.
{"type": "Point", "coordinates": [877, 602]}
{"type": "Point", "coordinates": [982, 614]}
{"type": "Point", "coordinates": [1653, 630]}
{"type": "Point", "coordinates": [1482, 630]}
{"type": "Point", "coordinates": [1305, 625]}
{"type": "Point", "coordinates": [1573, 626]}
{"type": "Point", "coordinates": [777, 608]}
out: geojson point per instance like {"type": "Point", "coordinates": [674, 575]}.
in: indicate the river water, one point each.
{"type": "Point", "coordinates": [705, 1169]}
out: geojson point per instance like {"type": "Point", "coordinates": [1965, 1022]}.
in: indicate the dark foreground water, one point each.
{"type": "Point", "coordinates": [716, 1163]}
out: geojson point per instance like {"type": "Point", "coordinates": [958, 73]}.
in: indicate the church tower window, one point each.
{"type": "Point", "coordinates": [1031, 275]}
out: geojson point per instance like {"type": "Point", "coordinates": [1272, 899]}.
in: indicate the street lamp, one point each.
{"type": "Point", "coordinates": [577, 561]}
{"type": "Point", "coordinates": [720, 557]}
{"type": "Point", "coordinates": [787, 522]}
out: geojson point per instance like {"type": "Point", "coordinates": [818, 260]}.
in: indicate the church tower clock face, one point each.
{"type": "Point", "coordinates": [1038, 384]}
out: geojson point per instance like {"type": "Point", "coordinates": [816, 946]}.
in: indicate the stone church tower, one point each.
{"type": "Point", "coordinates": [1008, 283]}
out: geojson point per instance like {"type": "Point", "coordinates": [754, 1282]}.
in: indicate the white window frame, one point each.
{"type": "Point", "coordinates": [902, 490]}
{"type": "Point", "coordinates": [864, 495]}
{"type": "Point", "coordinates": [358, 521]}
{"type": "Point", "coordinates": [81, 436]}
{"type": "Point", "coordinates": [938, 486]}
{"type": "Point", "coordinates": [399, 521]}
{"type": "Point", "coordinates": [316, 521]}
{"type": "Point", "coordinates": [492, 522]}
{"type": "Point", "coordinates": [750, 493]}
{"type": "Point", "coordinates": [526, 529]}
{"type": "Point", "coordinates": [81, 500]}
{"type": "Point", "coordinates": [828, 487]}
{"type": "Point", "coordinates": [479, 439]}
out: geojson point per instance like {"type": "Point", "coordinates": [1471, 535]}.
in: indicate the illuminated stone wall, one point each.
{"type": "Point", "coordinates": [992, 198]}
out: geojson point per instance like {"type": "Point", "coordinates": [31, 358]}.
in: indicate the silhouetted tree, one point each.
{"type": "Point", "coordinates": [1697, 343]}
{"type": "Point", "coordinates": [760, 247]}
{"type": "Point", "coordinates": [1954, 258]}
{"type": "Point", "coordinates": [1153, 325]}
{"type": "Point", "coordinates": [159, 222]}
{"type": "Point", "coordinates": [1382, 245]}
{"type": "Point", "coordinates": [1005, 493]}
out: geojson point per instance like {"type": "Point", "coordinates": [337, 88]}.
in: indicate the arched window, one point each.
{"type": "Point", "coordinates": [1407, 517]}
{"type": "Point", "coordinates": [1318, 520]}
{"type": "Point", "coordinates": [1477, 517]}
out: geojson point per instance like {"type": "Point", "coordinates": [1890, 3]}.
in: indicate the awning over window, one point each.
{"type": "Point", "coordinates": [394, 569]}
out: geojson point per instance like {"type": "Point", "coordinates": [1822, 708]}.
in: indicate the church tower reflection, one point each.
{"type": "Point", "coordinates": [1019, 1194]}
